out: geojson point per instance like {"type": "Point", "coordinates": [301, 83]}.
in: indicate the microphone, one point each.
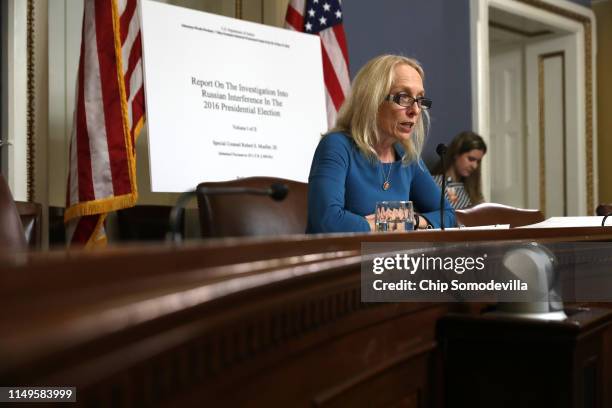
{"type": "Point", "coordinates": [276, 191]}
{"type": "Point", "coordinates": [441, 150]}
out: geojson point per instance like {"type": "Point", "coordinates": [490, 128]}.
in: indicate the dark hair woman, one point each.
{"type": "Point", "coordinates": [462, 170]}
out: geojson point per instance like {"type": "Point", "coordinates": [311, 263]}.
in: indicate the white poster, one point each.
{"type": "Point", "coordinates": [227, 98]}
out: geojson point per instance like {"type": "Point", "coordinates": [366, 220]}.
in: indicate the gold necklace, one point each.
{"type": "Point", "coordinates": [386, 183]}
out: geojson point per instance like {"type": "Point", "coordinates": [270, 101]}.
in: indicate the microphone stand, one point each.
{"type": "Point", "coordinates": [441, 150]}
{"type": "Point", "coordinates": [176, 214]}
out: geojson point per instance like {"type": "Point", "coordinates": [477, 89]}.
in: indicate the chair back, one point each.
{"type": "Point", "coordinates": [144, 223]}
{"type": "Point", "coordinates": [232, 215]}
{"type": "Point", "coordinates": [492, 213]}
{"type": "Point", "coordinates": [12, 236]}
{"type": "Point", "coordinates": [31, 219]}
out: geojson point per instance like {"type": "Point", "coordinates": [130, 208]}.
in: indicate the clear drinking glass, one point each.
{"type": "Point", "coordinates": [394, 216]}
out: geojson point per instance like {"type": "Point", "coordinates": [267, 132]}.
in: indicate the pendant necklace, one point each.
{"type": "Point", "coordinates": [386, 183]}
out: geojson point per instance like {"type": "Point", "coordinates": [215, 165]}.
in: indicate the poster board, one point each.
{"type": "Point", "coordinates": [227, 98]}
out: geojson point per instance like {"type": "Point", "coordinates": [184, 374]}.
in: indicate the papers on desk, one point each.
{"type": "Point", "coordinates": [567, 222]}
{"type": "Point", "coordinates": [481, 227]}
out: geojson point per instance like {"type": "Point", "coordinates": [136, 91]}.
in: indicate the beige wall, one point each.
{"type": "Point", "coordinates": [603, 14]}
{"type": "Point", "coordinates": [14, 81]}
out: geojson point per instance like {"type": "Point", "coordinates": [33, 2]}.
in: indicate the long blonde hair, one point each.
{"type": "Point", "coordinates": [358, 115]}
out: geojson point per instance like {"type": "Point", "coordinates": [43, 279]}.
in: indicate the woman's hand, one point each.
{"type": "Point", "coordinates": [422, 222]}
{"type": "Point", "coordinates": [371, 220]}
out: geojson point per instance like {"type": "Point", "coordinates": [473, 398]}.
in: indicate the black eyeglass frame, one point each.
{"type": "Point", "coordinates": [424, 103]}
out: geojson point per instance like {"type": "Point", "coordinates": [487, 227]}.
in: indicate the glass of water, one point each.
{"type": "Point", "coordinates": [394, 216]}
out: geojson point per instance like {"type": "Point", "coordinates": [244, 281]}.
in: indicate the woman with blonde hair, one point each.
{"type": "Point", "coordinates": [462, 170]}
{"type": "Point", "coordinates": [373, 152]}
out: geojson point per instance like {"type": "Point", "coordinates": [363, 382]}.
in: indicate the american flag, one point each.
{"type": "Point", "coordinates": [324, 18]}
{"type": "Point", "coordinates": [108, 116]}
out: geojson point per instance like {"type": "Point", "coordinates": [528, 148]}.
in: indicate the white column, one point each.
{"type": "Point", "coordinates": [14, 130]}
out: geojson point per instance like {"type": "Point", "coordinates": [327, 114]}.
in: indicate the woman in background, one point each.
{"type": "Point", "coordinates": [373, 152]}
{"type": "Point", "coordinates": [462, 170]}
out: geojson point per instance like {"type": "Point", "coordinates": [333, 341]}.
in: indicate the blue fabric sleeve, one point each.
{"type": "Point", "coordinates": [425, 194]}
{"type": "Point", "coordinates": [326, 188]}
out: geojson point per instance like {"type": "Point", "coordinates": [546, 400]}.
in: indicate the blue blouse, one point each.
{"type": "Point", "coordinates": [344, 186]}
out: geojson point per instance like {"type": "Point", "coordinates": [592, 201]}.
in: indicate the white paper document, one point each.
{"type": "Point", "coordinates": [228, 98]}
{"type": "Point", "coordinates": [481, 227]}
{"type": "Point", "coordinates": [567, 222]}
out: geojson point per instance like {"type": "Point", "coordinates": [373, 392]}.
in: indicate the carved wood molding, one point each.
{"type": "Point", "coordinates": [30, 118]}
{"type": "Point", "coordinates": [195, 354]}
{"type": "Point", "coordinates": [215, 357]}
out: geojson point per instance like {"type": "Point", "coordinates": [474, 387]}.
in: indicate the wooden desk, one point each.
{"type": "Point", "coordinates": [508, 362]}
{"type": "Point", "coordinates": [231, 322]}
{"type": "Point", "coordinates": [214, 252]}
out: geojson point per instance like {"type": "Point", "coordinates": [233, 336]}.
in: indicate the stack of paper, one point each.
{"type": "Point", "coordinates": [481, 227]}
{"type": "Point", "coordinates": [567, 222]}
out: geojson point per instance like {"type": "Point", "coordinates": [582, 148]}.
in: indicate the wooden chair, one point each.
{"type": "Point", "coordinates": [492, 213]}
{"type": "Point", "coordinates": [12, 236]}
{"type": "Point", "coordinates": [31, 219]}
{"type": "Point", "coordinates": [236, 215]}
{"type": "Point", "coordinates": [144, 223]}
